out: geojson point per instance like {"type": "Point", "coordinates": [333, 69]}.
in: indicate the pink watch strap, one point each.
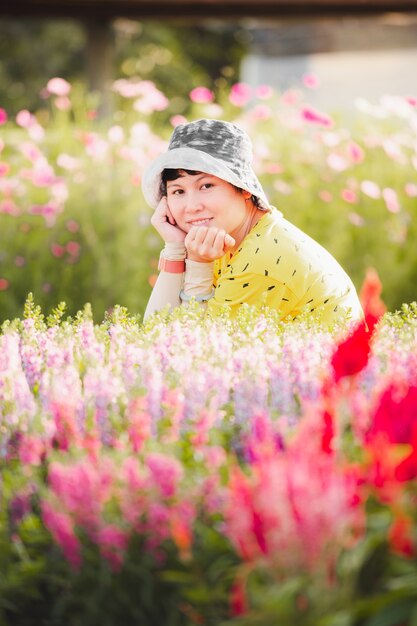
{"type": "Point", "coordinates": [173, 267]}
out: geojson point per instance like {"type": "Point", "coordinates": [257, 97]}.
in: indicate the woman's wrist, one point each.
{"type": "Point", "coordinates": [173, 251]}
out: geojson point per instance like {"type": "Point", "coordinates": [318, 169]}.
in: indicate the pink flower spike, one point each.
{"type": "Point", "coordinates": [201, 95]}
{"type": "Point", "coordinates": [312, 116]}
{"type": "Point", "coordinates": [4, 284]}
{"type": "Point", "coordinates": [311, 81]}
{"type": "Point", "coordinates": [58, 87]}
{"type": "Point", "coordinates": [73, 248]}
{"type": "Point", "coordinates": [3, 116]}
{"type": "Point", "coordinates": [25, 119]}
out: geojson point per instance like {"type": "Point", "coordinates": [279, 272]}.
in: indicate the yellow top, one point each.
{"type": "Point", "coordinates": [280, 266]}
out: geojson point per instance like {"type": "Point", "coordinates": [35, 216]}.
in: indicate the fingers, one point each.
{"type": "Point", "coordinates": [207, 244]}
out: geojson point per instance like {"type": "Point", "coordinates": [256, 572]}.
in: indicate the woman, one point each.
{"type": "Point", "coordinates": [224, 243]}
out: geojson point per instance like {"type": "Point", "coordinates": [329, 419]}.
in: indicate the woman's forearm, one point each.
{"type": "Point", "coordinates": [166, 291]}
{"type": "Point", "coordinates": [168, 285]}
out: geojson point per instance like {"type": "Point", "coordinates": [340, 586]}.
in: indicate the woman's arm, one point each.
{"type": "Point", "coordinates": [169, 283]}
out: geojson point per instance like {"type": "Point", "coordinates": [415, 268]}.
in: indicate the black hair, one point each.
{"type": "Point", "coordinates": [174, 174]}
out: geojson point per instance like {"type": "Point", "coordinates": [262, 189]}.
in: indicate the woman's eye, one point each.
{"type": "Point", "coordinates": [208, 185]}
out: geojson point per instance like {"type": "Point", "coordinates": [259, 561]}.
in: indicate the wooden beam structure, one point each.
{"type": "Point", "coordinates": [169, 9]}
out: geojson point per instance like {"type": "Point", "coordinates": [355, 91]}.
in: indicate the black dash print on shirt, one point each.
{"type": "Point", "coordinates": [228, 265]}
{"type": "Point", "coordinates": [271, 287]}
{"type": "Point", "coordinates": [240, 250]}
{"type": "Point", "coordinates": [311, 310]}
{"type": "Point", "coordinates": [285, 299]}
{"type": "Point", "coordinates": [266, 272]}
{"type": "Point", "coordinates": [246, 267]}
{"type": "Point", "coordinates": [245, 285]}
{"type": "Point", "coordinates": [232, 278]}
{"type": "Point", "coordinates": [257, 250]}
{"type": "Point", "coordinates": [219, 272]}
{"type": "Point", "coordinates": [335, 308]}
{"type": "Point", "coordinates": [227, 300]}
{"type": "Point", "coordinates": [294, 272]}
{"type": "Point", "coordinates": [310, 301]}
{"type": "Point", "coordinates": [276, 240]}
{"type": "Point", "coordinates": [326, 301]}
{"type": "Point", "coordinates": [278, 260]}
{"type": "Point", "coordinates": [258, 234]}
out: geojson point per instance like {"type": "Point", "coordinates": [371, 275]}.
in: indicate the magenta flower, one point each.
{"type": "Point", "coordinates": [264, 92]}
{"type": "Point", "coordinates": [62, 529]}
{"type": "Point", "coordinates": [4, 284]}
{"type": "Point", "coordinates": [201, 95]}
{"type": "Point", "coordinates": [3, 116]}
{"type": "Point", "coordinates": [312, 116]}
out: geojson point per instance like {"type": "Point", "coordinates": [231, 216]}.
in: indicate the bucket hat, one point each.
{"type": "Point", "coordinates": [210, 146]}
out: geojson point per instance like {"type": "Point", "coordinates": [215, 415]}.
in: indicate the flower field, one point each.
{"type": "Point", "coordinates": [209, 471]}
{"type": "Point", "coordinates": [74, 226]}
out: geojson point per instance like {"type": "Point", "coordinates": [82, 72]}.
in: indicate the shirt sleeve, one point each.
{"type": "Point", "coordinates": [253, 289]}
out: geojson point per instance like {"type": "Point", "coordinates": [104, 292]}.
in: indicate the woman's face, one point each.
{"type": "Point", "coordinates": [205, 200]}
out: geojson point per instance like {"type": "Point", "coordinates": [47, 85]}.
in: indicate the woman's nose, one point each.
{"type": "Point", "coordinates": [193, 203]}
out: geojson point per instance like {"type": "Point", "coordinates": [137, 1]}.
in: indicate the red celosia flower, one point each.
{"type": "Point", "coordinates": [396, 414]}
{"type": "Point", "coordinates": [352, 354]}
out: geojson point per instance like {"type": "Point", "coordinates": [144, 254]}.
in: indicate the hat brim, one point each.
{"type": "Point", "coordinates": [197, 160]}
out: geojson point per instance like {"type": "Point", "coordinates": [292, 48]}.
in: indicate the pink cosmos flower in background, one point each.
{"type": "Point", "coordinates": [3, 116]}
{"type": "Point", "coordinates": [25, 119]}
{"type": "Point", "coordinates": [350, 196]}
{"type": "Point", "coordinates": [390, 197]}
{"type": "Point", "coordinates": [240, 94]}
{"type": "Point", "coordinates": [411, 190]}
{"type": "Point", "coordinates": [371, 189]}
{"type": "Point", "coordinates": [356, 219]}
{"type": "Point", "coordinates": [264, 92]}
{"type": "Point", "coordinates": [176, 120]}
{"type": "Point", "coordinates": [336, 162]}
{"type": "Point", "coordinates": [311, 115]}
{"type": "Point", "coordinates": [63, 103]}
{"type": "Point", "coordinates": [4, 284]}
{"type": "Point", "coordinates": [311, 81]}
{"type": "Point", "coordinates": [58, 87]}
{"type": "Point", "coordinates": [201, 95]}
{"type": "Point", "coordinates": [355, 152]}
{"type": "Point", "coordinates": [4, 168]}
{"type": "Point", "coordinates": [325, 195]}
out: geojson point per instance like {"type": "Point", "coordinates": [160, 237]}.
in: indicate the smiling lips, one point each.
{"type": "Point", "coordinates": [200, 222]}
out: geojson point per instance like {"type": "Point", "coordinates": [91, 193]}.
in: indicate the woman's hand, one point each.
{"type": "Point", "coordinates": [205, 244]}
{"type": "Point", "coordinates": [163, 221]}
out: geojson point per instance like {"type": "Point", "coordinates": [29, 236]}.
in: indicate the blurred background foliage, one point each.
{"type": "Point", "coordinates": [73, 223]}
{"type": "Point", "coordinates": [177, 57]}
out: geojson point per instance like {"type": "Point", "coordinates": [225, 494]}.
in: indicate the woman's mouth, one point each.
{"type": "Point", "coordinates": [202, 222]}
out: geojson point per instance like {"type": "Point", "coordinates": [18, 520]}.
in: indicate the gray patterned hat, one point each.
{"type": "Point", "coordinates": [210, 146]}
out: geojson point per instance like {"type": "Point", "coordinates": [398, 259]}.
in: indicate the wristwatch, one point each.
{"type": "Point", "coordinates": [172, 267]}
